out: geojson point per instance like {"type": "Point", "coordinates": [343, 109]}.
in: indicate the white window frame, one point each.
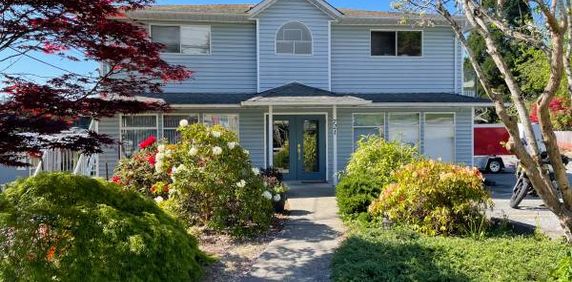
{"type": "Point", "coordinates": [396, 46]}
{"type": "Point", "coordinates": [294, 50]}
{"type": "Point", "coordinates": [226, 114]}
{"type": "Point", "coordinates": [180, 41]}
{"type": "Point", "coordinates": [122, 128]}
{"type": "Point", "coordinates": [418, 146]}
{"type": "Point", "coordinates": [175, 114]}
{"type": "Point", "coordinates": [454, 130]}
{"type": "Point", "coordinates": [363, 126]}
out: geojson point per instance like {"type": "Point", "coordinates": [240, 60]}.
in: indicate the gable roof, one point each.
{"type": "Point", "coordinates": [320, 4]}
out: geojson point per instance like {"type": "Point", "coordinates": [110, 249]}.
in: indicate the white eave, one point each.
{"type": "Point", "coordinates": [172, 16]}
{"type": "Point", "coordinates": [306, 101]}
{"type": "Point", "coordinates": [320, 4]}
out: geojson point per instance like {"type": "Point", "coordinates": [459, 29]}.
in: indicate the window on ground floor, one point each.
{"type": "Point", "coordinates": [367, 124]}
{"type": "Point", "coordinates": [136, 128]}
{"type": "Point", "coordinates": [404, 128]}
{"type": "Point", "coordinates": [229, 121]}
{"type": "Point", "coordinates": [440, 136]}
{"type": "Point", "coordinates": [171, 123]}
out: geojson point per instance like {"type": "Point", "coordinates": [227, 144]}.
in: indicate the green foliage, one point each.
{"type": "Point", "coordinates": [563, 271]}
{"type": "Point", "coordinates": [369, 169]}
{"type": "Point", "coordinates": [434, 198]}
{"type": "Point", "coordinates": [71, 228]}
{"type": "Point", "coordinates": [213, 182]}
{"type": "Point", "coordinates": [373, 254]}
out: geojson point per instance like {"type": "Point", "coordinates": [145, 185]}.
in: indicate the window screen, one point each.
{"type": "Point", "coordinates": [168, 36]}
{"type": "Point", "coordinates": [440, 136]}
{"type": "Point", "coordinates": [383, 43]}
{"type": "Point", "coordinates": [134, 129]}
{"type": "Point", "coordinates": [186, 39]}
{"type": "Point", "coordinates": [368, 124]}
{"type": "Point", "coordinates": [294, 38]}
{"type": "Point", "coordinates": [409, 43]}
{"type": "Point", "coordinates": [229, 121]}
{"type": "Point", "coordinates": [404, 128]}
{"type": "Point", "coordinates": [171, 123]}
{"type": "Point", "coordinates": [396, 43]}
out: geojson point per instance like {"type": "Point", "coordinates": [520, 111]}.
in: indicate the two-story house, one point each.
{"type": "Point", "coordinates": [301, 81]}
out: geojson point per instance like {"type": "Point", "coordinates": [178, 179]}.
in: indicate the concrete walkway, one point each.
{"type": "Point", "coordinates": [303, 250]}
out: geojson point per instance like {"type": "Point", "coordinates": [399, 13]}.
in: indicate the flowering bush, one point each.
{"type": "Point", "coordinates": [138, 173]}
{"type": "Point", "coordinates": [212, 182]}
{"type": "Point", "coordinates": [434, 198]}
{"type": "Point", "coordinates": [369, 169]}
{"type": "Point", "coordinates": [560, 113]}
{"type": "Point", "coordinates": [62, 227]}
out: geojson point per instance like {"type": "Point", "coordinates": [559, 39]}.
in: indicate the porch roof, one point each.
{"type": "Point", "coordinates": [299, 94]}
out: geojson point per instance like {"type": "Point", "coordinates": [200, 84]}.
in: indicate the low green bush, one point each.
{"type": "Point", "coordinates": [374, 254]}
{"type": "Point", "coordinates": [370, 168]}
{"type": "Point", "coordinates": [62, 227]}
{"type": "Point", "coordinates": [213, 182]}
{"type": "Point", "coordinates": [434, 198]}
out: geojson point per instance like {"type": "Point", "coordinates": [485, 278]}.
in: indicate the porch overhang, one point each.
{"type": "Point", "coordinates": [306, 101]}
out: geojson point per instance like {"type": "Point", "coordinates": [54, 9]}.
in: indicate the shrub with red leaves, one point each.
{"type": "Point", "coordinates": [560, 113]}
{"type": "Point", "coordinates": [37, 111]}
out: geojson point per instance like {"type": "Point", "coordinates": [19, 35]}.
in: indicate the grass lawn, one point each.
{"type": "Point", "coordinates": [374, 254]}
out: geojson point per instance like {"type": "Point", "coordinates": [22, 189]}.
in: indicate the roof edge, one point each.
{"type": "Point", "coordinates": [322, 5]}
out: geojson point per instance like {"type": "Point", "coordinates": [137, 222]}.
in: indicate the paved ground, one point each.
{"type": "Point", "coordinates": [531, 211]}
{"type": "Point", "coordinates": [303, 250]}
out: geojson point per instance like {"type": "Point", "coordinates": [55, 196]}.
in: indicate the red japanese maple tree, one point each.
{"type": "Point", "coordinates": [35, 113]}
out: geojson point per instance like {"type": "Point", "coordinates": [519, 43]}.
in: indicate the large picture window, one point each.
{"type": "Point", "coordinates": [440, 136]}
{"type": "Point", "coordinates": [171, 123]}
{"type": "Point", "coordinates": [184, 39]}
{"type": "Point", "coordinates": [404, 128]}
{"type": "Point", "coordinates": [368, 124]}
{"type": "Point", "coordinates": [229, 121]}
{"type": "Point", "coordinates": [294, 38]}
{"type": "Point", "coordinates": [134, 129]}
{"type": "Point", "coordinates": [396, 43]}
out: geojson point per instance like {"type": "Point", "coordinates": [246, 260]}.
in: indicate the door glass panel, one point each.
{"type": "Point", "coordinates": [311, 154]}
{"type": "Point", "coordinates": [281, 145]}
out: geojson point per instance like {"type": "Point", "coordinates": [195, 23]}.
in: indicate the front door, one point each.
{"type": "Point", "coordinates": [299, 147]}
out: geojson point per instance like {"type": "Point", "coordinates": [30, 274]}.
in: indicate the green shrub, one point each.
{"type": "Point", "coordinates": [70, 228]}
{"type": "Point", "coordinates": [434, 198]}
{"type": "Point", "coordinates": [369, 169]}
{"type": "Point", "coordinates": [213, 182]}
{"type": "Point", "coordinates": [563, 270]}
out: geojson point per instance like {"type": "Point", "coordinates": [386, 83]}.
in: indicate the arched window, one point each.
{"type": "Point", "coordinates": [294, 38]}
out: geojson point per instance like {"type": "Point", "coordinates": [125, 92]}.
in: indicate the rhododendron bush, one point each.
{"type": "Point", "coordinates": [434, 198]}
{"type": "Point", "coordinates": [560, 113]}
{"type": "Point", "coordinates": [206, 179]}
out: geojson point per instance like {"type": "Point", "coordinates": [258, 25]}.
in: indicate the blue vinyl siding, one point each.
{"type": "Point", "coordinates": [231, 67]}
{"type": "Point", "coordinates": [276, 69]}
{"type": "Point", "coordinates": [354, 70]}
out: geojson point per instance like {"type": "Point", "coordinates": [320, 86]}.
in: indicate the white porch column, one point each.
{"type": "Point", "coordinates": [270, 137]}
{"type": "Point", "coordinates": [335, 143]}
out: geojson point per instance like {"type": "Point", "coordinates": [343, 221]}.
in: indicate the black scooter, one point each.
{"type": "Point", "coordinates": [523, 185]}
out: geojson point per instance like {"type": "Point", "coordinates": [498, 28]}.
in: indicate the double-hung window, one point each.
{"type": "Point", "coordinates": [183, 39]}
{"type": "Point", "coordinates": [368, 124]}
{"type": "Point", "coordinates": [136, 128]}
{"type": "Point", "coordinates": [404, 128]}
{"type": "Point", "coordinates": [440, 136]}
{"type": "Point", "coordinates": [228, 121]}
{"type": "Point", "coordinates": [171, 123]}
{"type": "Point", "coordinates": [396, 43]}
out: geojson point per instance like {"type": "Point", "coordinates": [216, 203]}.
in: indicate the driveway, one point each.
{"type": "Point", "coordinates": [531, 211]}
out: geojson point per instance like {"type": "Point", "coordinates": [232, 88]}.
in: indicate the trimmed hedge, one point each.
{"type": "Point", "coordinates": [71, 228]}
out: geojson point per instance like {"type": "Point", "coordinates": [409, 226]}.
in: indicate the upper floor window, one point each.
{"type": "Point", "coordinates": [184, 39]}
{"type": "Point", "coordinates": [396, 43]}
{"type": "Point", "coordinates": [294, 38]}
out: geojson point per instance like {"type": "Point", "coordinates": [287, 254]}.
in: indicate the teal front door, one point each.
{"type": "Point", "coordinates": [299, 146]}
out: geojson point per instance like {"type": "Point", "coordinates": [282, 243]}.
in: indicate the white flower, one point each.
{"type": "Point", "coordinates": [217, 150]}
{"type": "Point", "coordinates": [267, 195]}
{"type": "Point", "coordinates": [173, 170]}
{"type": "Point", "coordinates": [231, 145]}
{"type": "Point", "coordinates": [256, 171]}
{"type": "Point", "coordinates": [173, 179]}
{"type": "Point", "coordinates": [159, 199]}
{"type": "Point", "coordinates": [276, 198]}
{"type": "Point", "coordinates": [168, 153]}
{"type": "Point", "coordinates": [216, 134]}
{"type": "Point", "coordinates": [193, 151]}
{"type": "Point", "coordinates": [161, 148]}
{"type": "Point", "coordinates": [241, 183]}
{"type": "Point", "coordinates": [246, 152]}
{"type": "Point", "coordinates": [181, 167]}
{"type": "Point", "coordinates": [159, 167]}
{"type": "Point", "coordinates": [159, 157]}
{"type": "Point", "coordinates": [183, 123]}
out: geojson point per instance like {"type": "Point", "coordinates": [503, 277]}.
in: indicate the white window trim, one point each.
{"type": "Point", "coordinates": [419, 116]}
{"type": "Point", "coordinates": [396, 47]}
{"type": "Point", "coordinates": [227, 114]}
{"type": "Point", "coordinates": [175, 114]}
{"type": "Point", "coordinates": [364, 126]}
{"type": "Point", "coordinates": [293, 54]}
{"type": "Point", "coordinates": [180, 41]}
{"type": "Point", "coordinates": [454, 130]}
{"type": "Point", "coordinates": [121, 128]}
